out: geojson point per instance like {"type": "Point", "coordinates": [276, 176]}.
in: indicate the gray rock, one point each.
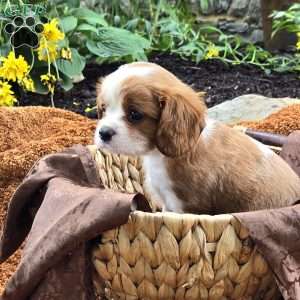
{"type": "Point", "coordinates": [257, 36]}
{"type": "Point", "coordinates": [233, 26]}
{"type": "Point", "coordinates": [254, 11]}
{"type": "Point", "coordinates": [221, 6]}
{"type": "Point", "coordinates": [241, 13]}
{"type": "Point", "coordinates": [248, 108]}
{"type": "Point", "coordinates": [239, 8]}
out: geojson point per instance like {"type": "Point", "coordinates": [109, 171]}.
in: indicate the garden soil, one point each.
{"type": "Point", "coordinates": [219, 81]}
{"type": "Point", "coordinates": [26, 134]}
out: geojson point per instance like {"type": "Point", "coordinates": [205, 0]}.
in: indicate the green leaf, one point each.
{"type": "Point", "coordinates": [89, 109]}
{"type": "Point", "coordinates": [5, 49]}
{"type": "Point", "coordinates": [68, 23]}
{"type": "Point", "coordinates": [204, 5]}
{"type": "Point", "coordinates": [39, 87]}
{"type": "Point", "coordinates": [199, 56]}
{"type": "Point", "coordinates": [116, 42]}
{"type": "Point", "coordinates": [89, 16]}
{"type": "Point", "coordinates": [63, 43]}
{"type": "Point", "coordinates": [73, 67]}
{"type": "Point", "coordinates": [35, 74]}
{"type": "Point", "coordinates": [93, 48]}
{"type": "Point", "coordinates": [132, 24]}
{"type": "Point", "coordinates": [278, 14]}
{"type": "Point", "coordinates": [165, 41]}
{"type": "Point", "coordinates": [87, 27]}
{"type": "Point", "coordinates": [141, 56]}
{"type": "Point", "coordinates": [148, 26]}
{"type": "Point", "coordinates": [73, 3]}
{"type": "Point", "coordinates": [66, 82]}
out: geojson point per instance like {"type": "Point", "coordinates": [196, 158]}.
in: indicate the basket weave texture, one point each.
{"type": "Point", "coordinates": [174, 256]}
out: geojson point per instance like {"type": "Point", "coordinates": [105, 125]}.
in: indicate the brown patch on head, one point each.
{"type": "Point", "coordinates": [138, 97]}
{"type": "Point", "coordinates": [181, 122]}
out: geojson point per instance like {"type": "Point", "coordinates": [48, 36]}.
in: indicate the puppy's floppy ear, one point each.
{"type": "Point", "coordinates": [181, 122]}
{"type": "Point", "coordinates": [99, 101]}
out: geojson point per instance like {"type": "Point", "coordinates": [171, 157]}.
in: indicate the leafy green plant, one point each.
{"type": "Point", "coordinates": [287, 20]}
{"type": "Point", "coordinates": [70, 35]}
{"type": "Point", "coordinates": [117, 43]}
{"type": "Point", "coordinates": [89, 32]}
{"type": "Point", "coordinates": [184, 36]}
{"type": "Point", "coordinates": [105, 30]}
{"type": "Point", "coordinates": [171, 27]}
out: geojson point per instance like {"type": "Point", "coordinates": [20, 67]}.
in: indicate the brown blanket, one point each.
{"type": "Point", "coordinates": [62, 208]}
{"type": "Point", "coordinates": [277, 232]}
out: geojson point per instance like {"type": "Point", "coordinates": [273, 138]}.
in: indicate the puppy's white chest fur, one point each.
{"type": "Point", "coordinates": [158, 183]}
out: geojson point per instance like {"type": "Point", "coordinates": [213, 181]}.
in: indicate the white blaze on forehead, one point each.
{"type": "Point", "coordinates": [111, 86]}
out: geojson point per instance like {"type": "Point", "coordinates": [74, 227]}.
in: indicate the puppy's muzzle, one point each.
{"type": "Point", "coordinates": [106, 133]}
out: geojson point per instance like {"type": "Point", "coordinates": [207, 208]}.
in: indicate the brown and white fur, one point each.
{"type": "Point", "coordinates": [192, 163]}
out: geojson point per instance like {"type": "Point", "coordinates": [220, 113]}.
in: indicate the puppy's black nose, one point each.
{"type": "Point", "coordinates": [106, 133]}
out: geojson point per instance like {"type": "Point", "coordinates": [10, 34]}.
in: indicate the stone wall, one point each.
{"type": "Point", "coordinates": [233, 16]}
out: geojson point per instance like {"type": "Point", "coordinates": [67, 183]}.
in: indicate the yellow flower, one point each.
{"type": "Point", "coordinates": [51, 31]}
{"type": "Point", "coordinates": [212, 52]}
{"type": "Point", "coordinates": [28, 84]}
{"type": "Point", "coordinates": [13, 68]}
{"type": "Point", "coordinates": [47, 48]}
{"type": "Point", "coordinates": [6, 94]}
{"type": "Point", "coordinates": [66, 53]}
{"type": "Point", "coordinates": [49, 80]}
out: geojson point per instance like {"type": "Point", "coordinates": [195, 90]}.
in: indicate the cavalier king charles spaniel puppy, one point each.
{"type": "Point", "coordinates": [192, 163]}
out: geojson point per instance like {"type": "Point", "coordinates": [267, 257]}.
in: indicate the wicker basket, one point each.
{"type": "Point", "coordinates": [174, 256]}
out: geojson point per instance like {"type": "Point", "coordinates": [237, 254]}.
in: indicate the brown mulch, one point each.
{"type": "Point", "coordinates": [26, 134]}
{"type": "Point", "coordinates": [284, 121]}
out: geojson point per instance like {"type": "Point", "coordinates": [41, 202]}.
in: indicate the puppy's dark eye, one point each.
{"type": "Point", "coordinates": [135, 116]}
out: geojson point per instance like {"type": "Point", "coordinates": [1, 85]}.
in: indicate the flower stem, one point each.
{"type": "Point", "coordinates": [56, 69]}
{"type": "Point", "coordinates": [52, 99]}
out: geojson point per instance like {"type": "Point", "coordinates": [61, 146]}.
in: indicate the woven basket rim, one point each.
{"type": "Point", "coordinates": [182, 216]}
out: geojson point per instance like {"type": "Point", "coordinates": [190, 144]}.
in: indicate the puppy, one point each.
{"type": "Point", "coordinates": [192, 163]}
